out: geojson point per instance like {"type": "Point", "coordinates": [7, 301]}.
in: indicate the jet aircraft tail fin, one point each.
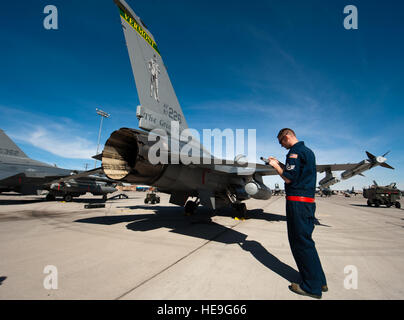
{"type": "Point", "coordinates": [8, 147]}
{"type": "Point", "coordinates": [159, 103]}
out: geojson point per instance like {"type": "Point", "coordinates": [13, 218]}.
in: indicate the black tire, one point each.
{"type": "Point", "coordinates": [145, 201]}
{"type": "Point", "coordinates": [241, 209]}
{"type": "Point", "coordinates": [68, 198]}
{"type": "Point", "coordinates": [398, 205]}
{"type": "Point", "coordinates": [190, 207]}
{"type": "Point", "coordinates": [369, 203]}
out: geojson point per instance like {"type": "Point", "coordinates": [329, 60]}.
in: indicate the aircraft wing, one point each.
{"type": "Point", "coordinates": [237, 169]}
{"type": "Point", "coordinates": [27, 182]}
{"type": "Point", "coordinates": [94, 174]}
{"type": "Point", "coordinates": [267, 170]}
{"type": "Point", "coordinates": [84, 174]}
{"type": "Point", "coordinates": [40, 178]}
{"type": "Point", "coordinates": [11, 179]}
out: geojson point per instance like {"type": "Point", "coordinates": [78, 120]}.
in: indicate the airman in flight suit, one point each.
{"type": "Point", "coordinates": [299, 173]}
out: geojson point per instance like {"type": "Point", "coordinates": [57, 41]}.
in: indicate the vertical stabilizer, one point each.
{"type": "Point", "coordinates": [9, 148]}
{"type": "Point", "coordinates": [159, 103]}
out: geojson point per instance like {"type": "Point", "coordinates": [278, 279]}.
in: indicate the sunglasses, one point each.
{"type": "Point", "coordinates": [281, 139]}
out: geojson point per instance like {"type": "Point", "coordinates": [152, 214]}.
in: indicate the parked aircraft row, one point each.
{"type": "Point", "coordinates": [21, 174]}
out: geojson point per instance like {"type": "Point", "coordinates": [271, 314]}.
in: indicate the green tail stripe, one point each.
{"type": "Point", "coordinates": [139, 29]}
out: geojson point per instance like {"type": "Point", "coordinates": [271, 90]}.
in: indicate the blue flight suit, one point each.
{"type": "Point", "coordinates": [300, 169]}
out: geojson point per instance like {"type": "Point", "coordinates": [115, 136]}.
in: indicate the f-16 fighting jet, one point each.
{"type": "Point", "coordinates": [21, 174]}
{"type": "Point", "coordinates": [214, 183]}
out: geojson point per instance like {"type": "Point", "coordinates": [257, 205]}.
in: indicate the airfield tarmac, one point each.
{"type": "Point", "coordinates": [129, 250]}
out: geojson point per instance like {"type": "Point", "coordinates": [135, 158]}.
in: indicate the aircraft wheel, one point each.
{"type": "Point", "coordinates": [398, 205]}
{"type": "Point", "coordinates": [190, 207]}
{"type": "Point", "coordinates": [68, 197]}
{"type": "Point", "coordinates": [241, 209]}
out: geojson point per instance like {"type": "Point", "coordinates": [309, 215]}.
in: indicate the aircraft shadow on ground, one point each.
{"type": "Point", "coordinates": [95, 200]}
{"type": "Point", "coordinates": [360, 205]}
{"type": "Point", "coordinates": [260, 214]}
{"type": "Point", "coordinates": [200, 226]}
{"type": "Point", "coordinates": [42, 199]}
{"type": "Point", "coordinates": [2, 280]}
{"type": "Point", "coordinates": [29, 201]}
{"type": "Point", "coordinates": [373, 207]}
{"type": "Point", "coordinates": [225, 212]}
{"type": "Point", "coordinates": [18, 201]}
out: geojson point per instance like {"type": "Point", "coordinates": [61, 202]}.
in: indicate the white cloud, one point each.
{"type": "Point", "coordinates": [61, 136]}
{"type": "Point", "coordinates": [59, 143]}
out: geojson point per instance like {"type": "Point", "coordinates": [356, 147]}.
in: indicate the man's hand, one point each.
{"type": "Point", "coordinates": [278, 166]}
{"type": "Point", "coordinates": [273, 161]}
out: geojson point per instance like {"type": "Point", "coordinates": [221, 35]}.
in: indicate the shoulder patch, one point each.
{"type": "Point", "coordinates": [290, 167]}
{"type": "Point", "coordinates": [293, 156]}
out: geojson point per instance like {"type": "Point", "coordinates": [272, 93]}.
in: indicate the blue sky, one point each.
{"type": "Point", "coordinates": [259, 64]}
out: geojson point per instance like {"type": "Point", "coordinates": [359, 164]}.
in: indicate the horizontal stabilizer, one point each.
{"type": "Point", "coordinates": [97, 157]}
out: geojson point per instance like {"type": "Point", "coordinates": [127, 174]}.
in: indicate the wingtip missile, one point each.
{"type": "Point", "coordinates": [381, 160]}
{"type": "Point", "coordinates": [367, 164]}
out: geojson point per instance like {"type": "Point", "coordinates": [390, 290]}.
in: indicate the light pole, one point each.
{"type": "Point", "coordinates": [103, 115]}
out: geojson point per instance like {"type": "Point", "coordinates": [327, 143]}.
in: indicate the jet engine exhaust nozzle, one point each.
{"type": "Point", "coordinates": [119, 155]}
{"type": "Point", "coordinates": [125, 157]}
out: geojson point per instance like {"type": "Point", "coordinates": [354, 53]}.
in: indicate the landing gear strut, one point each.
{"type": "Point", "coordinates": [239, 207]}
